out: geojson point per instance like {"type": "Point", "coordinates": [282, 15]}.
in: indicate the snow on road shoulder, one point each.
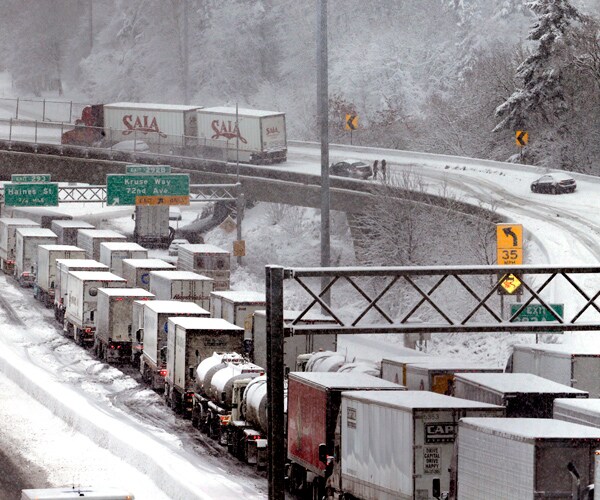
{"type": "Point", "coordinates": [63, 455]}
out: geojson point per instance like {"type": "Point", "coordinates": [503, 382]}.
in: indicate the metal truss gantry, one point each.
{"type": "Point", "coordinates": [97, 194]}
{"type": "Point", "coordinates": [459, 299]}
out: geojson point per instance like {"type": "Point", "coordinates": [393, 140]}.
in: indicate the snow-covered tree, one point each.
{"type": "Point", "coordinates": [541, 94]}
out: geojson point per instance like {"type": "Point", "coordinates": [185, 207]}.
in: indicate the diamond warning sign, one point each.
{"type": "Point", "coordinates": [510, 283]}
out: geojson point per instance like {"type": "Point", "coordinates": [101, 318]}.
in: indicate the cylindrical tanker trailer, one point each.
{"type": "Point", "coordinates": [220, 383]}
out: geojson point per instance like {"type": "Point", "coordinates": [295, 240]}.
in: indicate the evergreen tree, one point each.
{"type": "Point", "coordinates": [542, 74]}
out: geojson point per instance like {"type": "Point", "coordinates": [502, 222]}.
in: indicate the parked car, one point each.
{"type": "Point", "coordinates": [175, 244]}
{"type": "Point", "coordinates": [355, 169]}
{"type": "Point", "coordinates": [131, 146]}
{"type": "Point", "coordinates": [554, 184]}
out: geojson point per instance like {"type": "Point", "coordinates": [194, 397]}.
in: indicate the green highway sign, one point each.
{"type": "Point", "coordinates": [148, 169]}
{"type": "Point", "coordinates": [31, 195]}
{"type": "Point", "coordinates": [537, 312]}
{"type": "Point", "coordinates": [30, 178]}
{"type": "Point", "coordinates": [124, 189]}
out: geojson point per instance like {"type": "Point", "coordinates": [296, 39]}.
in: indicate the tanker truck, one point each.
{"type": "Point", "coordinates": [220, 384]}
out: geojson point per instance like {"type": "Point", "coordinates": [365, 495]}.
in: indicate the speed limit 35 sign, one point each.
{"type": "Point", "coordinates": [509, 238]}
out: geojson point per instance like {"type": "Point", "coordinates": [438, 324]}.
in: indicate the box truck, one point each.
{"type": "Point", "coordinates": [153, 336]}
{"type": "Point", "coordinates": [252, 136]}
{"type": "Point", "coordinates": [578, 411]}
{"type": "Point", "coordinates": [237, 307]}
{"type": "Point", "coordinates": [394, 368]}
{"type": "Point", "coordinates": [91, 239]}
{"type": "Point", "coordinates": [152, 226]}
{"type": "Point", "coordinates": [189, 341]}
{"type": "Point", "coordinates": [207, 260]}
{"type": "Point", "coordinates": [8, 228]}
{"type": "Point", "coordinates": [411, 455]}
{"type": "Point", "coordinates": [161, 126]}
{"type": "Point", "coordinates": [63, 268]}
{"type": "Point", "coordinates": [577, 366]}
{"type": "Point", "coordinates": [46, 269]}
{"type": "Point", "coordinates": [523, 394]}
{"type": "Point", "coordinates": [524, 459]}
{"type": "Point", "coordinates": [313, 404]}
{"type": "Point", "coordinates": [437, 375]}
{"type": "Point", "coordinates": [66, 230]}
{"type": "Point", "coordinates": [112, 254]}
{"type": "Point", "coordinates": [114, 329]}
{"type": "Point", "coordinates": [82, 302]}
{"type": "Point", "coordinates": [27, 240]}
{"type": "Point", "coordinates": [137, 271]}
{"type": "Point", "coordinates": [293, 346]}
{"type": "Point", "coordinates": [182, 285]}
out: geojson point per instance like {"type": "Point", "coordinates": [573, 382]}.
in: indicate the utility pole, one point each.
{"type": "Point", "coordinates": [91, 24]}
{"type": "Point", "coordinates": [323, 117]}
{"type": "Point", "coordinates": [186, 55]}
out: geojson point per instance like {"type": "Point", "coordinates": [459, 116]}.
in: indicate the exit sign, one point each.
{"type": "Point", "coordinates": [148, 169]}
{"type": "Point", "coordinates": [126, 189]}
{"type": "Point", "coordinates": [31, 195]}
{"type": "Point", "coordinates": [30, 178]}
{"type": "Point", "coordinates": [537, 312]}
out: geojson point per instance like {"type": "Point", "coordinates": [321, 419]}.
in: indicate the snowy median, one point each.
{"type": "Point", "coordinates": [176, 476]}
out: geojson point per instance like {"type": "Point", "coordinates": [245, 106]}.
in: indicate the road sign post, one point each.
{"type": "Point", "coordinates": [147, 189]}
{"type": "Point", "coordinates": [43, 194]}
{"type": "Point", "coordinates": [351, 123]}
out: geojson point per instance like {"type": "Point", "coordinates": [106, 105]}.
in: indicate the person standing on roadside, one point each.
{"type": "Point", "coordinates": [375, 169]}
{"type": "Point", "coordinates": [384, 170]}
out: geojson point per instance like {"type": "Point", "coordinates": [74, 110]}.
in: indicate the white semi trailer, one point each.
{"type": "Point", "coordinates": [45, 282]}
{"type": "Point", "coordinates": [153, 361]}
{"type": "Point", "coordinates": [82, 302]}
{"type": "Point", "coordinates": [114, 335]}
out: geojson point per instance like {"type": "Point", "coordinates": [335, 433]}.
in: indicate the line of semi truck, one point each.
{"type": "Point", "coordinates": [412, 426]}
{"type": "Point", "coordinates": [221, 133]}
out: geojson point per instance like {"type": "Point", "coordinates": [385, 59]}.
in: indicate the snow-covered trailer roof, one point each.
{"type": "Point", "coordinates": [567, 350]}
{"type": "Point", "coordinates": [175, 307]}
{"type": "Point", "coordinates": [126, 292]}
{"type": "Point", "coordinates": [204, 323]}
{"type": "Point", "coordinates": [515, 383]}
{"type": "Point", "coordinates": [74, 263]}
{"type": "Point", "coordinates": [530, 429]}
{"type": "Point", "coordinates": [151, 106]}
{"type": "Point", "coordinates": [242, 296]}
{"type": "Point", "coordinates": [36, 232]}
{"type": "Point", "coordinates": [97, 276]}
{"type": "Point", "coordinates": [202, 248]}
{"type": "Point", "coordinates": [254, 113]}
{"type": "Point", "coordinates": [147, 263]}
{"type": "Point", "coordinates": [180, 275]}
{"type": "Point", "coordinates": [342, 381]}
{"type": "Point", "coordinates": [415, 400]}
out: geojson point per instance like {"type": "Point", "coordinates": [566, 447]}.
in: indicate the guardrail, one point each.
{"type": "Point", "coordinates": [41, 109]}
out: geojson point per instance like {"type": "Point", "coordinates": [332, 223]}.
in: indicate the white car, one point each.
{"type": "Point", "coordinates": [131, 146]}
{"type": "Point", "coordinates": [175, 244]}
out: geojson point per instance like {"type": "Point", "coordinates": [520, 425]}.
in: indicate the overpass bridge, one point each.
{"type": "Point", "coordinates": [259, 183]}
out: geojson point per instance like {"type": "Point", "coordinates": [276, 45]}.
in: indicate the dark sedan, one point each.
{"type": "Point", "coordinates": [351, 168]}
{"type": "Point", "coordinates": [554, 184]}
